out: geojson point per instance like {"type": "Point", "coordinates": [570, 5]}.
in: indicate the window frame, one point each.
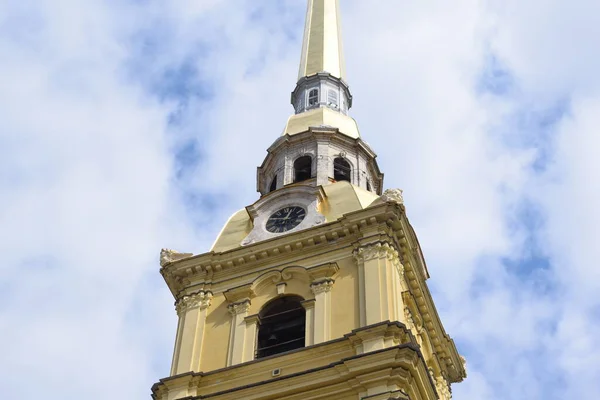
{"type": "Point", "coordinates": [316, 97]}
{"type": "Point", "coordinates": [310, 166]}
{"type": "Point", "coordinates": [348, 166]}
{"type": "Point", "coordinates": [272, 322]}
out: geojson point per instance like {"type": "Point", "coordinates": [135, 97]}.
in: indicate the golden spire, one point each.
{"type": "Point", "coordinates": [322, 47]}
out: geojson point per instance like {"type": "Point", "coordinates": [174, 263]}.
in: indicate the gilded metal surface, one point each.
{"type": "Point", "coordinates": [322, 117]}
{"type": "Point", "coordinates": [322, 47]}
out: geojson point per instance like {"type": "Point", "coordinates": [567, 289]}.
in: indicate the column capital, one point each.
{"type": "Point", "coordinates": [240, 307]}
{"type": "Point", "coordinates": [377, 250]}
{"type": "Point", "coordinates": [200, 300]}
{"type": "Point", "coordinates": [322, 286]}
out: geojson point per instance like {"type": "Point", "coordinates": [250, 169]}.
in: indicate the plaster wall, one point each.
{"type": "Point", "coordinates": [218, 326]}
{"type": "Point", "coordinates": [344, 300]}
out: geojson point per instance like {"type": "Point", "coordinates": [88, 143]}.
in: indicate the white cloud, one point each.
{"type": "Point", "coordinates": [91, 188]}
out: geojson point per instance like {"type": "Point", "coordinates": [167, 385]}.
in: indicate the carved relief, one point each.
{"type": "Point", "coordinates": [322, 286]}
{"type": "Point", "coordinates": [464, 363]}
{"type": "Point", "coordinates": [168, 256]}
{"type": "Point", "coordinates": [274, 278]}
{"type": "Point", "coordinates": [239, 308]}
{"type": "Point", "coordinates": [378, 250]}
{"type": "Point", "coordinates": [443, 389]}
{"type": "Point", "coordinates": [201, 300]}
{"type": "Point", "coordinates": [393, 195]}
{"type": "Point", "coordinates": [410, 323]}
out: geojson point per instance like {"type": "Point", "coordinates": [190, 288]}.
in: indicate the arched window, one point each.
{"type": "Point", "coordinates": [282, 326]}
{"type": "Point", "coordinates": [302, 168]}
{"type": "Point", "coordinates": [273, 184]}
{"type": "Point", "coordinates": [313, 97]}
{"type": "Point", "coordinates": [332, 98]}
{"type": "Point", "coordinates": [369, 186]}
{"type": "Point", "coordinates": [341, 170]}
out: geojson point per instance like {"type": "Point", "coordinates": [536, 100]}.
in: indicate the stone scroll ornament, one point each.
{"type": "Point", "coordinates": [168, 256]}
{"type": "Point", "coordinates": [393, 195]}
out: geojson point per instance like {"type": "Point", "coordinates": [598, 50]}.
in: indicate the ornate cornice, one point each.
{"type": "Point", "coordinates": [200, 300]}
{"type": "Point", "coordinates": [207, 264]}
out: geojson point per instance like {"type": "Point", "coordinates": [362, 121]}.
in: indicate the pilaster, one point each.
{"type": "Point", "coordinates": [309, 338]}
{"type": "Point", "coordinates": [251, 337]}
{"type": "Point", "coordinates": [192, 311]}
{"type": "Point", "coordinates": [237, 336]}
{"type": "Point", "coordinates": [323, 161]}
{"type": "Point", "coordinates": [381, 279]}
{"type": "Point", "coordinates": [322, 313]}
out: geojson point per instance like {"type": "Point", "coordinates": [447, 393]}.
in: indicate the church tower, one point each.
{"type": "Point", "coordinates": [318, 289]}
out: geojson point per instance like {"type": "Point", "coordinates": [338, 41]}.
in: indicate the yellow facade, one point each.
{"type": "Point", "coordinates": [377, 301]}
{"type": "Point", "coordinates": [350, 270]}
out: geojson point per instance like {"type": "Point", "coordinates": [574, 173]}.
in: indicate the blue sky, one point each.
{"type": "Point", "coordinates": [129, 126]}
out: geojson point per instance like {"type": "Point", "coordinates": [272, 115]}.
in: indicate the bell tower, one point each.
{"type": "Point", "coordinates": [318, 289]}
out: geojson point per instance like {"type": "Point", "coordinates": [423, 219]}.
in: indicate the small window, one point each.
{"type": "Point", "coordinates": [341, 170]}
{"type": "Point", "coordinates": [332, 98]}
{"type": "Point", "coordinates": [369, 186]}
{"type": "Point", "coordinates": [273, 184]}
{"type": "Point", "coordinates": [282, 326]}
{"type": "Point", "coordinates": [302, 169]}
{"type": "Point", "coordinates": [313, 97]}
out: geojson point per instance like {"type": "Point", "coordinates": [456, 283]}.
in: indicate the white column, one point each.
{"type": "Point", "coordinates": [239, 311]}
{"type": "Point", "coordinates": [322, 311]}
{"type": "Point", "coordinates": [192, 311]}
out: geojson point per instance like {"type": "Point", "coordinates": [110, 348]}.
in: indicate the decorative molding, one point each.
{"type": "Point", "coordinates": [252, 319]}
{"type": "Point", "coordinates": [278, 278]}
{"type": "Point", "coordinates": [322, 286]}
{"type": "Point", "coordinates": [395, 395]}
{"type": "Point", "coordinates": [393, 195]}
{"type": "Point", "coordinates": [168, 256]}
{"type": "Point", "coordinates": [281, 288]}
{"type": "Point", "coordinates": [239, 308]}
{"type": "Point", "coordinates": [308, 304]}
{"type": "Point", "coordinates": [464, 363]}
{"type": "Point", "coordinates": [412, 313]}
{"type": "Point", "coordinates": [239, 294]}
{"type": "Point", "coordinates": [200, 300]}
{"type": "Point", "coordinates": [410, 323]}
{"type": "Point", "coordinates": [378, 250]}
{"type": "Point", "coordinates": [323, 271]}
{"type": "Point", "coordinates": [443, 388]}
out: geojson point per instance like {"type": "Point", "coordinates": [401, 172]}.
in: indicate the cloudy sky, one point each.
{"type": "Point", "coordinates": [128, 126]}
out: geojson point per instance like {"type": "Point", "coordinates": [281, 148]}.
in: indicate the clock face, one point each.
{"type": "Point", "coordinates": [285, 219]}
